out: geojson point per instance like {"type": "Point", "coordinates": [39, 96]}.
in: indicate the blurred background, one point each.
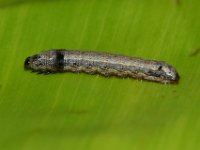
{"type": "Point", "coordinates": [80, 111]}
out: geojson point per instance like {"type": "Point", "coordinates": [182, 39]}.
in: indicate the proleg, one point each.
{"type": "Point", "coordinates": [106, 64]}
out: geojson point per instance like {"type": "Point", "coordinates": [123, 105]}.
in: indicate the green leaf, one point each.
{"type": "Point", "coordinates": [80, 111]}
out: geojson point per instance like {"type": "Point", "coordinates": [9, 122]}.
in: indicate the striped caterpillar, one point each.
{"type": "Point", "coordinates": [105, 64]}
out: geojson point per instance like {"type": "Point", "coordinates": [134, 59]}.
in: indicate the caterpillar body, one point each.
{"type": "Point", "coordinates": [105, 64]}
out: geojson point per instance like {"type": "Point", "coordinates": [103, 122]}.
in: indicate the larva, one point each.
{"type": "Point", "coordinates": [105, 64]}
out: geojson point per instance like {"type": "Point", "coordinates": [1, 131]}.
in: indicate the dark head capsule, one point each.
{"type": "Point", "coordinates": [36, 63]}
{"type": "Point", "coordinates": [27, 63]}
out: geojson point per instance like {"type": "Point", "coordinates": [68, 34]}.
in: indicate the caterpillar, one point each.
{"type": "Point", "coordinates": [105, 64]}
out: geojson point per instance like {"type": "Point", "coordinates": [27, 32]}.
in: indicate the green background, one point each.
{"type": "Point", "coordinates": [79, 111]}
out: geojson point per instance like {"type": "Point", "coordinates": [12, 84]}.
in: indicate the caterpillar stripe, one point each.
{"type": "Point", "coordinates": [105, 64]}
